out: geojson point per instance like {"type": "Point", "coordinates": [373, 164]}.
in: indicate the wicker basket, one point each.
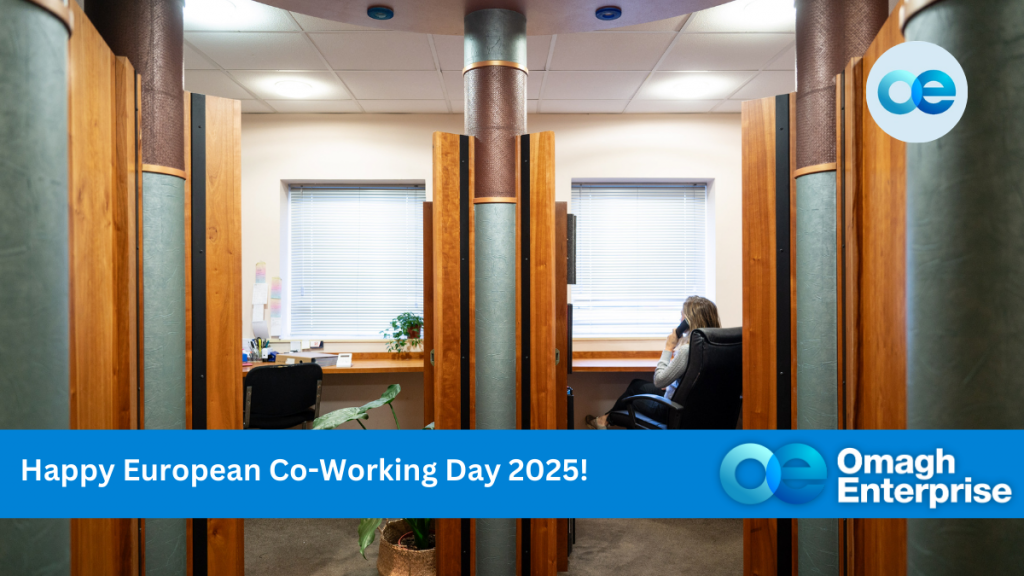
{"type": "Point", "coordinates": [393, 560]}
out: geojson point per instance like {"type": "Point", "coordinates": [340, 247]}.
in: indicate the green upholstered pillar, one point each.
{"type": "Point", "coordinates": [163, 273]}
{"type": "Point", "coordinates": [495, 85]}
{"type": "Point", "coordinates": [816, 342]}
{"type": "Point", "coordinates": [965, 269]}
{"type": "Point", "coordinates": [34, 256]}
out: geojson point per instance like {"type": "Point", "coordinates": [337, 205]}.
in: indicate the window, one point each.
{"type": "Point", "coordinates": [640, 251]}
{"type": "Point", "coordinates": [355, 259]}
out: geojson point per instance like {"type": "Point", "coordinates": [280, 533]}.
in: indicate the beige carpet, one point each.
{"type": "Point", "coordinates": [603, 548]}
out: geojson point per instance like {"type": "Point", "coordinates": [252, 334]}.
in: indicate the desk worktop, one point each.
{"type": "Point", "coordinates": [372, 363]}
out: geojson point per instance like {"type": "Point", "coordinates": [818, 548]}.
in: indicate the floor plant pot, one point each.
{"type": "Point", "coordinates": [396, 560]}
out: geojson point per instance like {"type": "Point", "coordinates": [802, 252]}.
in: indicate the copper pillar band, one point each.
{"type": "Point", "coordinates": [495, 115]}
{"type": "Point", "coordinates": [828, 34]}
{"type": "Point", "coordinates": [150, 33]}
{"type": "Point", "coordinates": [494, 200]}
{"type": "Point", "coordinates": [476, 65]}
{"type": "Point", "coordinates": [58, 9]}
{"type": "Point", "coordinates": [155, 169]}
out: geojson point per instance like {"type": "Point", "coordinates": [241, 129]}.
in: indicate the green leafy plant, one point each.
{"type": "Point", "coordinates": [368, 526]}
{"type": "Point", "coordinates": [405, 332]}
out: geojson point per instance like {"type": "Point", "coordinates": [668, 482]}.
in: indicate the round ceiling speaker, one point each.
{"type": "Point", "coordinates": [608, 13]}
{"type": "Point", "coordinates": [380, 13]}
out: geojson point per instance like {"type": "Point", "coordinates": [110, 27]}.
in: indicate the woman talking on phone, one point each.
{"type": "Point", "coordinates": [698, 312]}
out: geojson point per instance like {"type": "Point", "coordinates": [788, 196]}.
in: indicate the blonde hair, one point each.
{"type": "Point", "coordinates": [700, 313]}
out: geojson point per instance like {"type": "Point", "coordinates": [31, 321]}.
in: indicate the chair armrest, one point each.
{"type": "Point", "coordinates": [675, 410]}
{"type": "Point", "coordinates": [656, 398]}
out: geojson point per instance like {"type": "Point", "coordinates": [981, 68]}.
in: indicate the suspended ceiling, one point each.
{"type": "Point", "coordinates": [707, 62]}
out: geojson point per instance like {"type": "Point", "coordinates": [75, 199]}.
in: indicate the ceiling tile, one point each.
{"type": "Point", "coordinates": [405, 106]}
{"type": "Point", "coordinates": [323, 85]}
{"type": "Point", "coordinates": [214, 83]}
{"type": "Point", "coordinates": [257, 51]}
{"type": "Point", "coordinates": [768, 84]}
{"type": "Point", "coordinates": [592, 85]}
{"type": "Point", "coordinates": [375, 50]}
{"type": "Point", "coordinates": [785, 61]}
{"type": "Point", "coordinates": [746, 16]}
{"type": "Point", "coordinates": [458, 106]}
{"type": "Point", "coordinates": [194, 60]}
{"type": "Point", "coordinates": [667, 25]}
{"type": "Point", "coordinates": [603, 51]}
{"type": "Point", "coordinates": [314, 106]}
{"type": "Point", "coordinates": [393, 85]}
{"type": "Point", "coordinates": [314, 24]}
{"type": "Point", "coordinates": [531, 106]}
{"type": "Point", "coordinates": [235, 16]}
{"type": "Point", "coordinates": [255, 107]}
{"type": "Point", "coordinates": [692, 85]}
{"type": "Point", "coordinates": [671, 106]}
{"type": "Point", "coordinates": [724, 51]}
{"type": "Point", "coordinates": [450, 51]}
{"type": "Point", "coordinates": [729, 106]}
{"type": "Point", "coordinates": [583, 106]}
{"type": "Point", "coordinates": [453, 83]}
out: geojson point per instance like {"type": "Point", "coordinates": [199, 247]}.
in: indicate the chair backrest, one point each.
{"type": "Point", "coordinates": [714, 376]}
{"type": "Point", "coordinates": [283, 390]}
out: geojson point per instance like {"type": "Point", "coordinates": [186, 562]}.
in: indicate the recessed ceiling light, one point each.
{"type": "Point", "coordinates": [210, 11]}
{"type": "Point", "coordinates": [293, 89]}
{"type": "Point", "coordinates": [686, 86]}
{"type": "Point", "coordinates": [608, 13]}
{"type": "Point", "coordinates": [380, 13]}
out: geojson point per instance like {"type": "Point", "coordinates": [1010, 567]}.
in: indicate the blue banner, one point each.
{"type": "Point", "coordinates": [510, 474]}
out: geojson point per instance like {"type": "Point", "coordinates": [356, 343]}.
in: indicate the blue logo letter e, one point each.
{"type": "Point", "coordinates": [919, 90]}
{"type": "Point", "coordinates": [800, 484]}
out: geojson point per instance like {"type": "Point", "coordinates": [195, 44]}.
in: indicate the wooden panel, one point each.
{"type": "Point", "coordinates": [759, 306]}
{"type": "Point", "coordinates": [447, 319]}
{"type": "Point", "coordinates": [188, 303]}
{"type": "Point", "coordinates": [225, 542]}
{"type": "Point", "coordinates": [875, 279]}
{"type": "Point", "coordinates": [103, 194]}
{"type": "Point", "coordinates": [543, 286]}
{"type": "Point", "coordinates": [428, 311]}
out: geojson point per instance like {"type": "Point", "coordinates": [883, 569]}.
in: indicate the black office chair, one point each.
{"type": "Point", "coordinates": [282, 396]}
{"type": "Point", "coordinates": [715, 371]}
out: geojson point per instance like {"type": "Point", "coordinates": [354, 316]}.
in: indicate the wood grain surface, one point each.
{"type": "Point", "coordinates": [102, 196]}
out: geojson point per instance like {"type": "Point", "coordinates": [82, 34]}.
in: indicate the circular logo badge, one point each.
{"type": "Point", "coordinates": [795, 473]}
{"type": "Point", "coordinates": [916, 92]}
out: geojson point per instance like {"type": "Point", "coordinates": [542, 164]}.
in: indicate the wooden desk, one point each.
{"type": "Point", "coordinates": [366, 363]}
{"type": "Point", "coordinates": [619, 361]}
{"type": "Point", "coordinates": [382, 363]}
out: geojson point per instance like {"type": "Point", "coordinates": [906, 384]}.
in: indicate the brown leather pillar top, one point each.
{"type": "Point", "coordinates": [828, 34]}
{"type": "Point", "coordinates": [495, 115]}
{"type": "Point", "coordinates": [150, 34]}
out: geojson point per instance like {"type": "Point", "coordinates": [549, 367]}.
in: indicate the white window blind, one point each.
{"type": "Point", "coordinates": [355, 259]}
{"type": "Point", "coordinates": [640, 251]}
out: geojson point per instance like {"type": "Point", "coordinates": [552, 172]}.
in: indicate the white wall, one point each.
{"type": "Point", "coordinates": [283, 147]}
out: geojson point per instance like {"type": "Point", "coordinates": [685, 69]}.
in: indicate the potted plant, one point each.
{"type": "Point", "coordinates": [404, 333]}
{"type": "Point", "coordinates": [407, 544]}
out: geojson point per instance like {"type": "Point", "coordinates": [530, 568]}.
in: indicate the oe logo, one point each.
{"type": "Point", "coordinates": [916, 92]}
{"type": "Point", "coordinates": [792, 484]}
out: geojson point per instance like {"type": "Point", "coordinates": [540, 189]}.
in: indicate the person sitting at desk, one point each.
{"type": "Point", "coordinates": [698, 312]}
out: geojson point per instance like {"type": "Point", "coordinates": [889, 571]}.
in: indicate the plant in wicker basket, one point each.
{"type": "Point", "coordinates": [405, 543]}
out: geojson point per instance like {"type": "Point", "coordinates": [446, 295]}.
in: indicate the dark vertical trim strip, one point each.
{"type": "Point", "coordinates": [783, 394]}
{"type": "Point", "coordinates": [199, 550]}
{"type": "Point", "coordinates": [524, 231]}
{"type": "Point", "coordinates": [841, 167]}
{"type": "Point", "coordinates": [568, 353]}
{"type": "Point", "coordinates": [464, 409]}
